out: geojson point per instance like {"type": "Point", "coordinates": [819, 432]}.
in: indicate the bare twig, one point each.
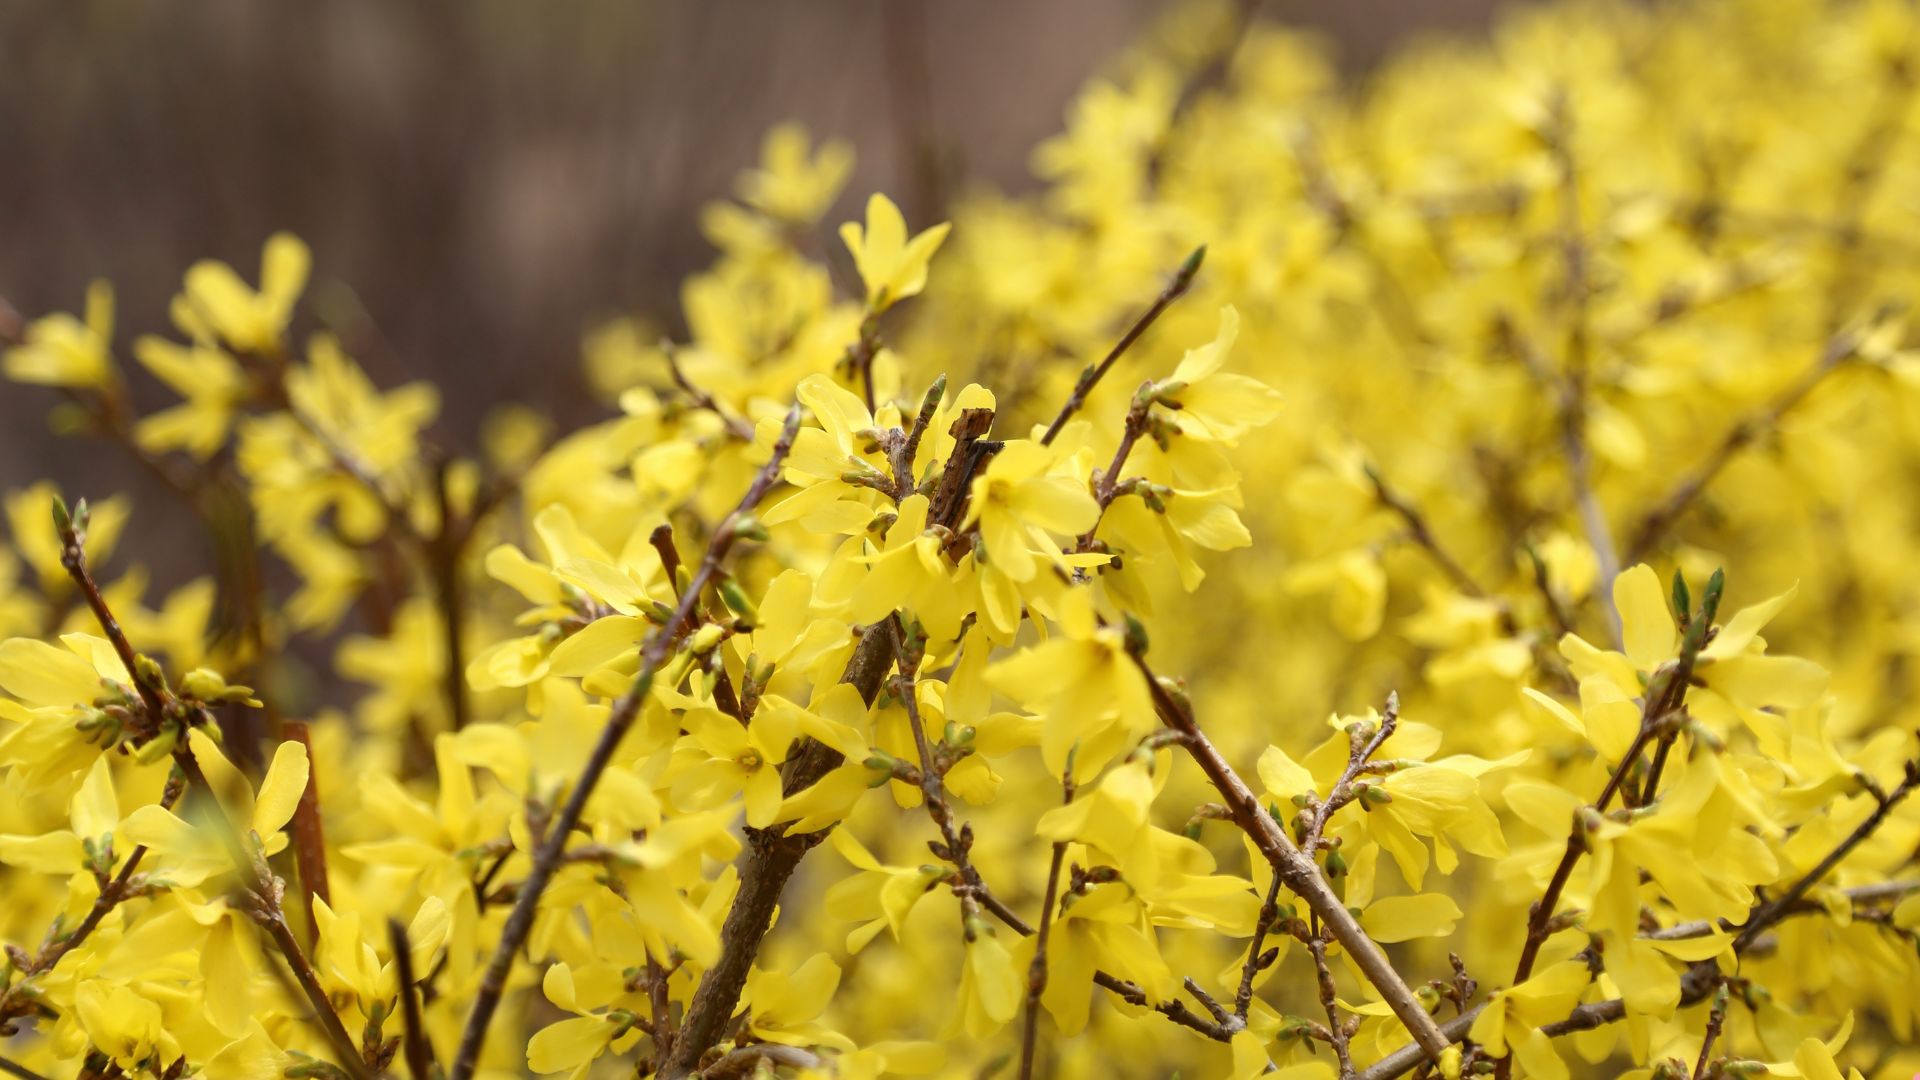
{"type": "Point", "coordinates": [419, 1052]}
{"type": "Point", "coordinates": [1422, 534]}
{"type": "Point", "coordinates": [1302, 876]}
{"type": "Point", "coordinates": [1037, 970]}
{"type": "Point", "coordinates": [1657, 521]}
{"type": "Point", "coordinates": [1771, 912]}
{"type": "Point", "coordinates": [1089, 378]}
{"type": "Point", "coordinates": [309, 837]}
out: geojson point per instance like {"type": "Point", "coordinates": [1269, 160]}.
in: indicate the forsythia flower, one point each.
{"type": "Point", "coordinates": [893, 266]}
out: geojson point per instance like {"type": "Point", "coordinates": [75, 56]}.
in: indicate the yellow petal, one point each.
{"type": "Point", "coordinates": [280, 792]}
{"type": "Point", "coordinates": [1403, 918]}
{"type": "Point", "coordinates": [1646, 624]}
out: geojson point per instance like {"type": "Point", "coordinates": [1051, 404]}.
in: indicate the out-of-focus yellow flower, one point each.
{"type": "Point", "coordinates": [215, 305]}
{"type": "Point", "coordinates": [61, 350]}
{"type": "Point", "coordinates": [893, 266]}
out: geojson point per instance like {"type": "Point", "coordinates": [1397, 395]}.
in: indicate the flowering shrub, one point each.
{"type": "Point", "coordinates": [874, 693]}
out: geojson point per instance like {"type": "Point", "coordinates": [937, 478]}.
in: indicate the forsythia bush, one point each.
{"type": "Point", "coordinates": [867, 695]}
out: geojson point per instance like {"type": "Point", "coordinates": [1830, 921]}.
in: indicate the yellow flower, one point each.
{"type": "Point", "coordinates": [1212, 404]}
{"type": "Point", "coordinates": [61, 350]}
{"type": "Point", "coordinates": [1089, 694]}
{"type": "Point", "coordinates": [892, 266]}
{"type": "Point", "coordinates": [191, 853]}
{"type": "Point", "coordinates": [215, 304]}
{"type": "Point", "coordinates": [784, 1007]}
{"type": "Point", "coordinates": [792, 185]}
{"type": "Point", "coordinates": [1020, 506]}
{"type": "Point", "coordinates": [213, 385]}
{"type": "Point", "coordinates": [95, 812]}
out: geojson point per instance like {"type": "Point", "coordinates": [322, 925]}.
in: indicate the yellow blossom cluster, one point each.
{"type": "Point", "coordinates": [1290, 597]}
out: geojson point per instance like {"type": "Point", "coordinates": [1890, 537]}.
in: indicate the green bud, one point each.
{"type": "Point", "coordinates": [1682, 600]}
{"type": "Point", "coordinates": [750, 527]}
{"type": "Point", "coordinates": [148, 670]}
{"type": "Point", "coordinates": [1710, 603]}
{"type": "Point", "coordinates": [204, 684]}
{"type": "Point", "coordinates": [738, 602]}
{"type": "Point", "coordinates": [159, 746]}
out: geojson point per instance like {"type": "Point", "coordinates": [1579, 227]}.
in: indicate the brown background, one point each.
{"type": "Point", "coordinates": [486, 177]}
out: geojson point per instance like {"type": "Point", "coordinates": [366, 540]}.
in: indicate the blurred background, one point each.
{"type": "Point", "coordinates": [481, 180]}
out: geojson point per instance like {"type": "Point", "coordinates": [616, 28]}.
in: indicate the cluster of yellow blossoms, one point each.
{"type": "Point", "coordinates": [879, 691]}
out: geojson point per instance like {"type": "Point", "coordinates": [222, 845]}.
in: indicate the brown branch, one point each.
{"type": "Point", "coordinates": [736, 426]}
{"type": "Point", "coordinates": [442, 554]}
{"type": "Point", "coordinates": [1269, 917]}
{"type": "Point", "coordinates": [1771, 912]}
{"type": "Point", "coordinates": [1329, 1000]}
{"type": "Point", "coordinates": [72, 528]}
{"type": "Point", "coordinates": [1301, 875]}
{"type": "Point", "coordinates": [625, 710]}
{"type": "Point", "coordinates": [1422, 534]}
{"type": "Point", "coordinates": [1715, 1019]}
{"type": "Point", "coordinates": [1089, 378]}
{"type": "Point", "coordinates": [306, 831]}
{"type": "Point", "coordinates": [1656, 522]}
{"type": "Point", "coordinates": [770, 858]}
{"type": "Point", "coordinates": [745, 1061]}
{"type": "Point", "coordinates": [262, 896]}
{"type": "Point", "coordinates": [419, 1052]}
{"type": "Point", "coordinates": [1037, 970]}
{"type": "Point", "coordinates": [1864, 894]}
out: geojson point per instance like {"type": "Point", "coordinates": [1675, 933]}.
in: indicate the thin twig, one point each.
{"type": "Point", "coordinates": [1422, 534]}
{"type": "Point", "coordinates": [1301, 873]}
{"type": "Point", "coordinates": [1657, 521]}
{"type": "Point", "coordinates": [1716, 1017]}
{"type": "Point", "coordinates": [419, 1052]}
{"type": "Point", "coordinates": [625, 710]}
{"type": "Point", "coordinates": [1772, 911]}
{"type": "Point", "coordinates": [1089, 378]}
{"type": "Point", "coordinates": [1037, 970]}
{"type": "Point", "coordinates": [12, 1068]}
